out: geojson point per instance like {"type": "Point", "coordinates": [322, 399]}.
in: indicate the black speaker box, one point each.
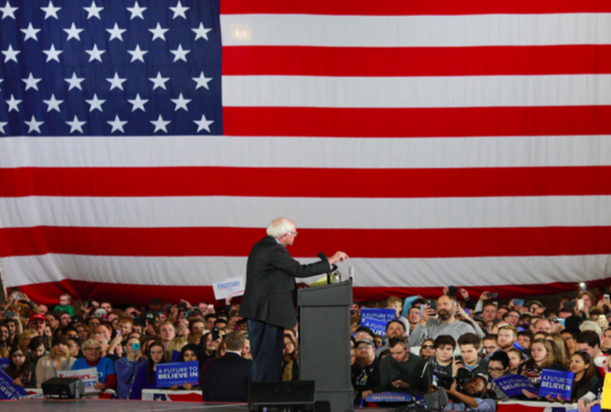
{"type": "Point", "coordinates": [296, 395]}
{"type": "Point", "coordinates": [63, 388]}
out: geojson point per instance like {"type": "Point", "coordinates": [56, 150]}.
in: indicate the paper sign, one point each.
{"type": "Point", "coordinates": [224, 288]}
{"type": "Point", "coordinates": [389, 397]}
{"type": "Point", "coordinates": [8, 390]}
{"type": "Point", "coordinates": [512, 385]}
{"type": "Point", "coordinates": [3, 363]}
{"type": "Point", "coordinates": [377, 326]}
{"type": "Point", "coordinates": [89, 377]}
{"type": "Point", "coordinates": [556, 383]}
{"type": "Point", "coordinates": [175, 356]}
{"type": "Point", "coordinates": [519, 347]}
{"type": "Point", "coordinates": [385, 315]}
{"type": "Point", "coordinates": [606, 399]}
{"type": "Point", "coordinates": [170, 374]}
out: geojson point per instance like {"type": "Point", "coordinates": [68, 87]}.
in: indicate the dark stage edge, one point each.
{"type": "Point", "coordinates": [114, 405]}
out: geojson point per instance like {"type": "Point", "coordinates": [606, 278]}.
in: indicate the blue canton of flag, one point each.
{"type": "Point", "coordinates": [110, 67]}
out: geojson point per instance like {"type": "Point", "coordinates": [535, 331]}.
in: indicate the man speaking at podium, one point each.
{"type": "Point", "coordinates": [270, 297]}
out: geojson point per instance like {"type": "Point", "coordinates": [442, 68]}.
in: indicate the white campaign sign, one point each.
{"type": "Point", "coordinates": [224, 288]}
{"type": "Point", "coordinates": [89, 377]}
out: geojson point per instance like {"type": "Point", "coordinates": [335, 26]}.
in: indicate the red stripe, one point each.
{"type": "Point", "coordinates": [301, 182]}
{"type": "Point", "coordinates": [362, 243]}
{"type": "Point", "coordinates": [394, 7]}
{"type": "Point", "coordinates": [416, 61]}
{"type": "Point", "coordinates": [419, 122]}
{"type": "Point", "coordinates": [126, 294]}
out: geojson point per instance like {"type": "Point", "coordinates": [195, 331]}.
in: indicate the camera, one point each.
{"type": "Point", "coordinates": [445, 382]}
{"type": "Point", "coordinates": [494, 295]}
{"type": "Point", "coordinates": [452, 290]}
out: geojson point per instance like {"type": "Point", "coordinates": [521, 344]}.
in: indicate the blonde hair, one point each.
{"type": "Point", "coordinates": [53, 355]}
{"type": "Point", "coordinates": [90, 342]}
{"type": "Point", "coordinates": [27, 334]}
{"type": "Point", "coordinates": [175, 344]}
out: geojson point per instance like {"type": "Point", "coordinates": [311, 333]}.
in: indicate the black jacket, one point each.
{"type": "Point", "coordinates": [226, 379]}
{"type": "Point", "coordinates": [270, 294]}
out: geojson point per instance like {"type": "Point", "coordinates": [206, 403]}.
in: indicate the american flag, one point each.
{"type": "Point", "coordinates": [146, 144]}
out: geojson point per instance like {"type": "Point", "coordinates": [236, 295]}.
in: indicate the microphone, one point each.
{"type": "Point", "coordinates": [322, 256]}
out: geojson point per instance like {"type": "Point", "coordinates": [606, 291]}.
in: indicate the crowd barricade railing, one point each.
{"type": "Point", "coordinates": [170, 395]}
{"type": "Point", "coordinates": [37, 393]}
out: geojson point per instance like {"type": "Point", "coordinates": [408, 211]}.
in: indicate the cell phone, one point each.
{"type": "Point", "coordinates": [215, 333]}
{"type": "Point", "coordinates": [569, 303]}
{"type": "Point", "coordinates": [422, 307]}
{"type": "Point", "coordinates": [559, 320]}
{"type": "Point", "coordinates": [579, 304]}
{"type": "Point", "coordinates": [518, 302]}
{"type": "Point", "coordinates": [606, 296]}
{"type": "Point", "coordinates": [494, 295]}
{"type": "Point", "coordinates": [135, 346]}
{"type": "Point", "coordinates": [118, 332]}
{"type": "Point", "coordinates": [432, 304]}
{"type": "Point", "coordinates": [9, 314]}
{"type": "Point", "coordinates": [452, 290]}
{"type": "Point", "coordinates": [602, 321]}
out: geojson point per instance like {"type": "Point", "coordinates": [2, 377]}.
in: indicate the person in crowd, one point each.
{"type": "Point", "coordinates": [507, 336]}
{"type": "Point", "coordinates": [364, 332]}
{"type": "Point", "coordinates": [395, 303]}
{"type": "Point", "coordinates": [146, 374]}
{"type": "Point", "coordinates": [4, 336]}
{"type": "Point", "coordinates": [445, 324]}
{"type": "Point", "coordinates": [25, 338]}
{"type": "Point", "coordinates": [197, 325]}
{"type": "Point", "coordinates": [443, 365]}
{"type": "Point", "coordinates": [101, 339]}
{"type": "Point", "coordinates": [246, 352]}
{"type": "Point", "coordinates": [512, 317]}
{"type": "Point", "coordinates": [394, 329]}
{"type": "Point", "coordinates": [173, 348]}
{"type": "Point", "coordinates": [352, 356]}
{"type": "Point", "coordinates": [127, 366]}
{"type": "Point", "coordinates": [227, 379]}
{"type": "Point", "coordinates": [413, 317]}
{"type": "Point", "coordinates": [208, 345]}
{"type": "Point", "coordinates": [563, 353]}
{"type": "Point", "coordinates": [167, 332]}
{"type": "Point", "coordinates": [125, 326]}
{"type": "Point", "coordinates": [588, 300]}
{"type": "Point", "coordinates": [589, 341]}
{"type": "Point", "coordinates": [37, 323]}
{"type": "Point", "coordinates": [74, 347]}
{"type": "Point", "coordinates": [535, 307]}
{"type": "Point", "coordinates": [64, 319]}
{"type": "Point", "coordinates": [36, 348]}
{"type": "Point", "coordinates": [542, 325]}
{"type": "Point", "coordinates": [58, 360]}
{"type": "Point", "coordinates": [188, 353]}
{"type": "Point", "coordinates": [594, 395]}
{"type": "Point", "coordinates": [475, 396]}
{"type": "Point", "coordinates": [490, 344]}
{"type": "Point", "coordinates": [20, 303]}
{"type": "Point", "coordinates": [83, 332]}
{"type": "Point", "coordinates": [378, 341]}
{"type": "Point", "coordinates": [470, 364]}
{"type": "Point", "coordinates": [107, 378]}
{"type": "Point", "coordinates": [290, 365]}
{"type": "Point", "coordinates": [570, 339]}
{"type": "Point", "coordinates": [366, 370]}
{"type": "Point", "coordinates": [586, 375]}
{"type": "Point", "coordinates": [606, 341]}
{"type": "Point", "coordinates": [400, 372]}
{"type": "Point", "coordinates": [427, 350]}
{"type": "Point", "coordinates": [501, 312]}
{"type": "Point", "coordinates": [516, 357]}
{"type": "Point", "coordinates": [489, 311]}
{"type": "Point", "coordinates": [591, 325]}
{"type": "Point", "coordinates": [524, 339]}
{"type": "Point", "coordinates": [498, 366]}
{"type": "Point", "coordinates": [15, 328]}
{"type": "Point", "coordinates": [20, 368]}
{"type": "Point", "coordinates": [542, 357]}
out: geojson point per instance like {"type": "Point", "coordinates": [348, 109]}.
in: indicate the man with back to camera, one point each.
{"type": "Point", "coordinates": [270, 298]}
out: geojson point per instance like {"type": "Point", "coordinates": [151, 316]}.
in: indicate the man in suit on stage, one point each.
{"type": "Point", "coordinates": [226, 379]}
{"type": "Point", "coordinates": [270, 297]}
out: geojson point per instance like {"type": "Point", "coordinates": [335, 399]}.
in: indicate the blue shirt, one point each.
{"type": "Point", "coordinates": [126, 374]}
{"type": "Point", "coordinates": [104, 367]}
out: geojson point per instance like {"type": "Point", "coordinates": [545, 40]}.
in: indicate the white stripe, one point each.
{"type": "Point", "coordinates": [415, 31]}
{"type": "Point", "coordinates": [412, 92]}
{"type": "Point", "coordinates": [513, 151]}
{"type": "Point", "coordinates": [350, 213]}
{"type": "Point", "coordinates": [193, 271]}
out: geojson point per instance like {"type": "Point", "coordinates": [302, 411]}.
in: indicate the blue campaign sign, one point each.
{"type": "Point", "coordinates": [556, 383]}
{"type": "Point", "coordinates": [519, 347]}
{"type": "Point", "coordinates": [3, 363]}
{"type": "Point", "coordinates": [170, 374]}
{"type": "Point", "coordinates": [512, 385]}
{"type": "Point", "coordinates": [8, 390]}
{"type": "Point", "coordinates": [384, 315]}
{"type": "Point", "coordinates": [389, 397]}
{"type": "Point", "coordinates": [175, 356]}
{"type": "Point", "coordinates": [377, 326]}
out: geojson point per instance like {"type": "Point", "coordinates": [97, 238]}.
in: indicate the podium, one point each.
{"type": "Point", "coordinates": [324, 334]}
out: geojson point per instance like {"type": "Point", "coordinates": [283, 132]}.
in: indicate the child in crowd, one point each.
{"type": "Point", "coordinates": [64, 304]}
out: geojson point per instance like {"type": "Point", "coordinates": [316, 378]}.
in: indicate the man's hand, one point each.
{"type": "Point", "coordinates": [464, 293]}
{"type": "Point", "coordinates": [456, 365]}
{"type": "Point", "coordinates": [400, 384]}
{"type": "Point", "coordinates": [337, 257]}
{"type": "Point", "coordinates": [452, 389]}
{"type": "Point", "coordinates": [365, 394]}
{"type": "Point", "coordinates": [530, 395]}
{"type": "Point", "coordinates": [485, 296]}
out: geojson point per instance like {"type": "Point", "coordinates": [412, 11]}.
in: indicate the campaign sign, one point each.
{"type": "Point", "coordinates": [175, 356]}
{"type": "Point", "coordinates": [389, 397]}
{"type": "Point", "coordinates": [519, 347]}
{"type": "Point", "coordinates": [384, 315]}
{"type": "Point", "coordinates": [512, 385]}
{"type": "Point", "coordinates": [556, 383]}
{"type": "Point", "coordinates": [227, 287]}
{"type": "Point", "coordinates": [89, 377]}
{"type": "Point", "coordinates": [8, 390]}
{"type": "Point", "coordinates": [170, 374]}
{"type": "Point", "coordinates": [3, 363]}
{"type": "Point", "coordinates": [377, 326]}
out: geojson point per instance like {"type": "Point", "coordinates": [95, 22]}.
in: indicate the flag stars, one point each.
{"type": "Point", "coordinates": [159, 81]}
{"type": "Point", "coordinates": [136, 11]}
{"type": "Point", "coordinates": [201, 32]}
{"type": "Point", "coordinates": [31, 82]}
{"type": "Point", "coordinates": [138, 103]}
{"type": "Point", "coordinates": [10, 54]}
{"type": "Point", "coordinates": [30, 33]}
{"type": "Point", "coordinates": [73, 32]}
{"type": "Point", "coordinates": [76, 125]}
{"type": "Point", "coordinates": [33, 125]}
{"type": "Point", "coordinates": [137, 54]}
{"type": "Point", "coordinates": [117, 124]}
{"type": "Point", "coordinates": [116, 32]}
{"type": "Point", "coordinates": [203, 124]}
{"type": "Point", "coordinates": [51, 11]}
{"type": "Point", "coordinates": [53, 104]}
{"type": "Point", "coordinates": [179, 11]}
{"type": "Point", "coordinates": [180, 54]}
{"type": "Point", "coordinates": [75, 82]}
{"type": "Point", "coordinates": [2, 124]}
{"type": "Point", "coordinates": [95, 103]}
{"type": "Point", "coordinates": [93, 11]}
{"type": "Point", "coordinates": [13, 104]}
{"type": "Point", "coordinates": [160, 124]}
{"type": "Point", "coordinates": [181, 103]}
{"type": "Point", "coordinates": [95, 53]}
{"type": "Point", "coordinates": [8, 11]}
{"type": "Point", "coordinates": [158, 32]}
{"type": "Point", "coordinates": [116, 82]}
{"type": "Point", "coordinates": [52, 54]}
{"type": "Point", "coordinates": [202, 81]}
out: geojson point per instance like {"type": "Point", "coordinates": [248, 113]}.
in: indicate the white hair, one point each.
{"type": "Point", "coordinates": [591, 325]}
{"type": "Point", "coordinates": [279, 227]}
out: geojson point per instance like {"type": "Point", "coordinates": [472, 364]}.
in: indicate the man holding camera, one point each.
{"type": "Point", "coordinates": [474, 396]}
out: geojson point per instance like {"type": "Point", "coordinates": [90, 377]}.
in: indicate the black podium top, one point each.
{"type": "Point", "coordinates": [337, 294]}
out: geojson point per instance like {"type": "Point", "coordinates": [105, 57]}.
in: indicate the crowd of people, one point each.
{"type": "Point", "coordinates": [453, 343]}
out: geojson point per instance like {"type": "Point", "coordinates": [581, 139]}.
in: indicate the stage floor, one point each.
{"type": "Point", "coordinates": [104, 405]}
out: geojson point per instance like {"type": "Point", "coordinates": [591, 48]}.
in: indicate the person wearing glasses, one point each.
{"type": "Point", "coordinates": [20, 368]}
{"type": "Point", "coordinates": [427, 349]}
{"type": "Point", "coordinates": [498, 366]}
{"type": "Point", "coordinates": [270, 298]}
{"type": "Point", "coordinates": [107, 377]}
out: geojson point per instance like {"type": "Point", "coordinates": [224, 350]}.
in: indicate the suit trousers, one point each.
{"type": "Point", "coordinates": [266, 346]}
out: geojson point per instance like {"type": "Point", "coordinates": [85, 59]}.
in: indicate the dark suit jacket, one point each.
{"type": "Point", "coordinates": [226, 379]}
{"type": "Point", "coordinates": [270, 294]}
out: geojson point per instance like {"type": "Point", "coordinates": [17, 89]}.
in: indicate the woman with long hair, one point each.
{"type": "Point", "coordinates": [25, 338]}
{"type": "Point", "coordinates": [605, 345]}
{"type": "Point", "coordinates": [427, 349]}
{"type": "Point", "coordinates": [146, 375]}
{"type": "Point", "coordinates": [515, 360]}
{"type": "Point", "coordinates": [290, 366]}
{"type": "Point", "coordinates": [543, 356]}
{"type": "Point", "coordinates": [59, 359]}
{"type": "Point", "coordinates": [20, 368]}
{"type": "Point", "coordinates": [586, 374]}
{"type": "Point", "coordinates": [190, 352]}
{"type": "Point", "coordinates": [4, 336]}
{"type": "Point", "coordinates": [563, 352]}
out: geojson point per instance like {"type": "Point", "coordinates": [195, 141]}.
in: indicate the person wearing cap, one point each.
{"type": "Point", "coordinates": [363, 332]}
{"type": "Point", "coordinates": [37, 323]}
{"type": "Point", "coordinates": [58, 360]}
{"type": "Point", "coordinates": [366, 369]}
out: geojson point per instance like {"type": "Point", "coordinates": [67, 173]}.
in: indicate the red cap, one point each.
{"type": "Point", "coordinates": [37, 316]}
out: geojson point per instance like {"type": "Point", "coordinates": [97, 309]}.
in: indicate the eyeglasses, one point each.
{"type": "Point", "coordinates": [428, 346]}
{"type": "Point", "coordinates": [93, 349]}
{"type": "Point", "coordinates": [495, 369]}
{"type": "Point", "coordinates": [295, 233]}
